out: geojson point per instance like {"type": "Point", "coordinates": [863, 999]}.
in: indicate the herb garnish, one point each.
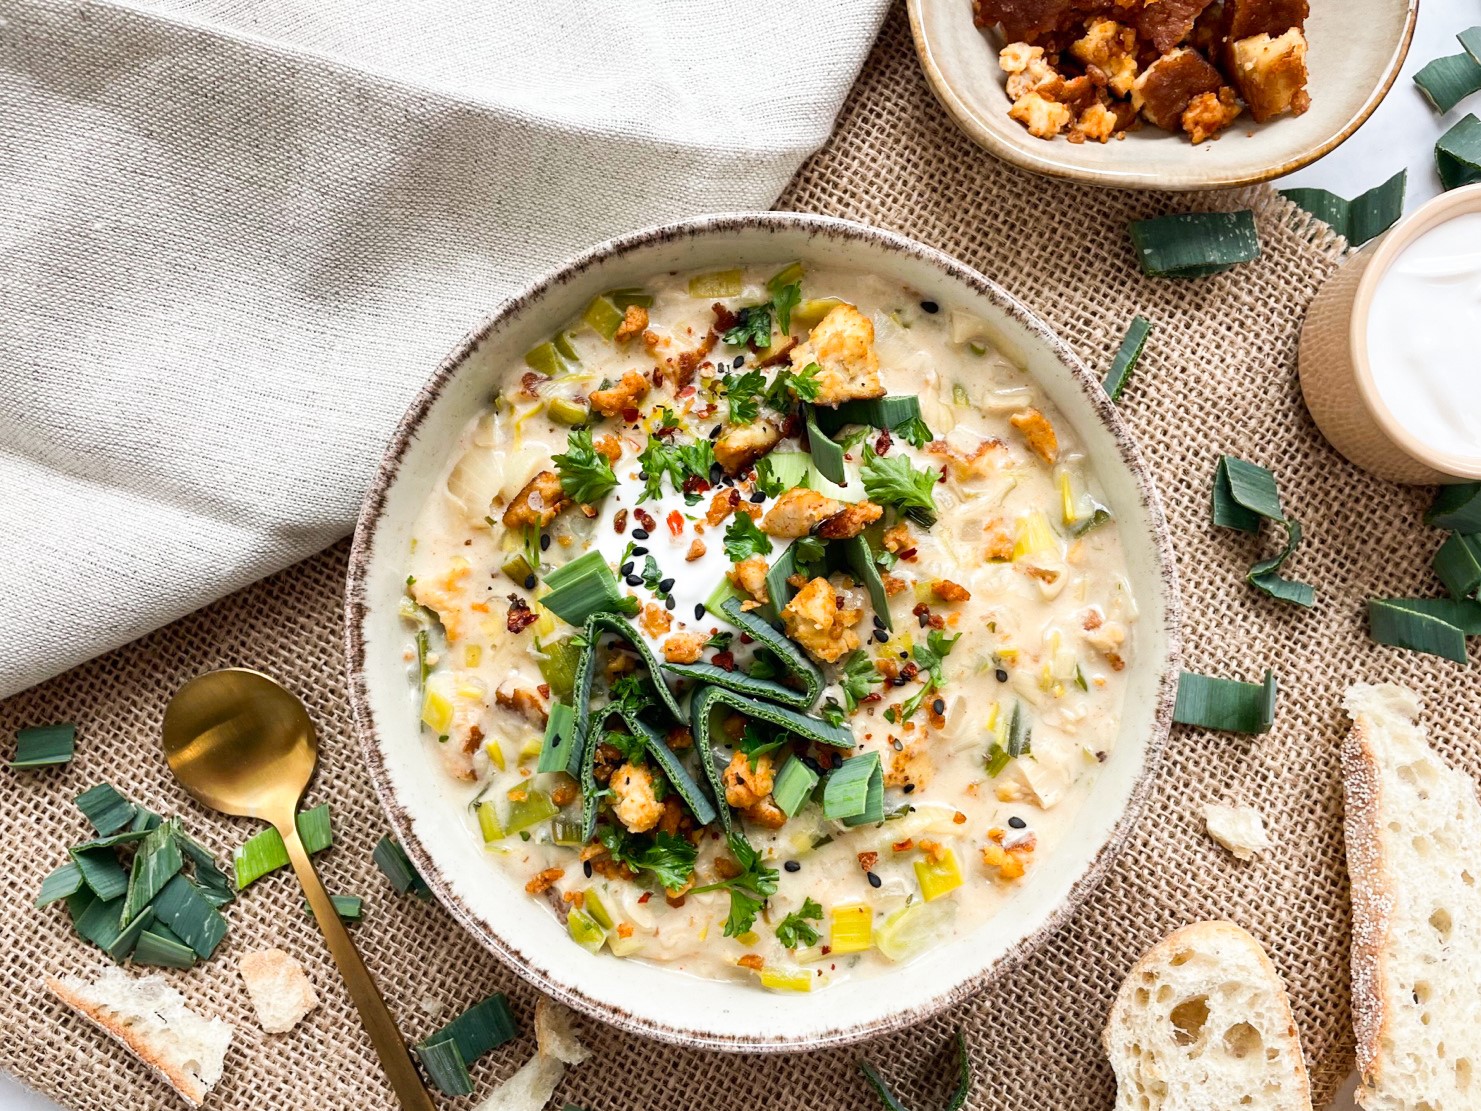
{"type": "Point", "coordinates": [670, 859]}
{"type": "Point", "coordinates": [785, 296]}
{"type": "Point", "coordinates": [678, 462]}
{"type": "Point", "coordinates": [743, 394]}
{"type": "Point", "coordinates": [914, 431]}
{"type": "Point", "coordinates": [793, 930]}
{"type": "Point", "coordinates": [744, 539]}
{"type": "Point", "coordinates": [788, 384]}
{"type": "Point", "coordinates": [752, 327]}
{"type": "Point", "coordinates": [748, 891]}
{"type": "Point", "coordinates": [929, 656]}
{"type": "Point", "coordinates": [891, 480]}
{"type": "Point", "coordinates": [586, 474]}
{"type": "Point", "coordinates": [859, 675]}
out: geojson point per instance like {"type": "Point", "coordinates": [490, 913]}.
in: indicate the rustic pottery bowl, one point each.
{"type": "Point", "coordinates": [1356, 49]}
{"type": "Point", "coordinates": [653, 1000]}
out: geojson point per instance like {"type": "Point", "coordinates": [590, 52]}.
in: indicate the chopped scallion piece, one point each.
{"type": "Point", "coordinates": [1447, 81]}
{"type": "Point", "coordinates": [1360, 219]}
{"type": "Point", "coordinates": [1226, 704]}
{"type": "Point", "coordinates": [45, 746]}
{"type": "Point", "coordinates": [1244, 493]}
{"type": "Point", "coordinates": [1126, 357]}
{"type": "Point", "coordinates": [486, 1025]}
{"type": "Point", "coordinates": [265, 852]}
{"type": "Point", "coordinates": [1194, 244]}
{"type": "Point", "coordinates": [445, 1067]}
{"type": "Point", "coordinates": [106, 809]}
{"type": "Point", "coordinates": [1458, 564]}
{"type": "Point", "coordinates": [96, 919]}
{"type": "Point", "coordinates": [558, 662]}
{"type": "Point", "coordinates": [392, 860]}
{"type": "Point", "coordinates": [877, 412]}
{"type": "Point", "coordinates": [158, 950]}
{"type": "Point", "coordinates": [350, 908]}
{"type": "Point", "coordinates": [1457, 508]}
{"type": "Point", "coordinates": [1458, 153]}
{"type": "Point", "coordinates": [1396, 621]}
{"type": "Point", "coordinates": [793, 786]}
{"type": "Point", "coordinates": [721, 283]}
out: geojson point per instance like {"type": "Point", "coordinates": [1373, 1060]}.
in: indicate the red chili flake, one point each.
{"type": "Point", "coordinates": [873, 696]}
{"type": "Point", "coordinates": [908, 554]}
{"type": "Point", "coordinates": [920, 609]}
{"type": "Point", "coordinates": [520, 617]}
{"type": "Point", "coordinates": [675, 521]}
{"type": "Point", "coordinates": [791, 426]}
{"type": "Point", "coordinates": [544, 689]}
{"type": "Point", "coordinates": [666, 432]}
{"type": "Point", "coordinates": [706, 412]}
{"type": "Point", "coordinates": [630, 415]}
{"type": "Point", "coordinates": [724, 660]}
{"type": "Point", "coordinates": [645, 519]}
{"type": "Point", "coordinates": [657, 376]}
{"type": "Point", "coordinates": [694, 484]}
{"type": "Point", "coordinates": [910, 670]}
{"type": "Point", "coordinates": [943, 475]}
{"type": "Point", "coordinates": [619, 522]}
{"type": "Point", "coordinates": [530, 382]}
{"type": "Point", "coordinates": [883, 444]}
{"type": "Point", "coordinates": [745, 638]}
{"type": "Point", "coordinates": [686, 391]}
{"type": "Point", "coordinates": [644, 897]}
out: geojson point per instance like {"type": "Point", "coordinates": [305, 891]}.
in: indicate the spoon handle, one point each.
{"type": "Point", "coordinates": [384, 1035]}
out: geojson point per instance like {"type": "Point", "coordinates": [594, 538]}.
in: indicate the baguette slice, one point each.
{"type": "Point", "coordinates": [149, 1018]}
{"type": "Point", "coordinates": [1202, 1023]}
{"type": "Point", "coordinates": [1414, 857]}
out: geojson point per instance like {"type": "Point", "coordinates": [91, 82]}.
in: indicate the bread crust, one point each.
{"type": "Point", "coordinates": [1372, 897]}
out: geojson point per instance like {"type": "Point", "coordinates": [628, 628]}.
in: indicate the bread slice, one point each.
{"type": "Point", "coordinates": [150, 1018]}
{"type": "Point", "coordinates": [280, 989]}
{"type": "Point", "coordinates": [1202, 1023]}
{"type": "Point", "coordinates": [1414, 857]}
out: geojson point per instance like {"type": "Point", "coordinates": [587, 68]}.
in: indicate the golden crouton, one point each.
{"type": "Point", "coordinates": [1043, 117]}
{"type": "Point", "coordinates": [912, 764]}
{"type": "Point", "coordinates": [750, 576]}
{"type": "Point", "coordinates": [655, 620]}
{"type": "Point", "coordinates": [1111, 48]}
{"type": "Point", "coordinates": [746, 786]}
{"type": "Point", "coordinates": [1271, 74]}
{"type": "Point", "coordinates": [537, 504]}
{"type": "Point", "coordinates": [683, 648]}
{"type": "Point", "coordinates": [1000, 541]}
{"type": "Point", "coordinates": [850, 521]}
{"type": "Point", "coordinates": [721, 506]}
{"type": "Point", "coordinates": [740, 445]}
{"type": "Point", "coordinates": [634, 802]}
{"type": "Point", "coordinates": [842, 345]}
{"type": "Point", "coordinates": [766, 814]}
{"type": "Point", "coordinates": [981, 461]}
{"type": "Point", "coordinates": [814, 620]}
{"type": "Point", "coordinates": [1037, 432]}
{"type": "Point", "coordinates": [1208, 114]}
{"type": "Point", "coordinates": [634, 321]}
{"type": "Point", "coordinates": [543, 881]}
{"type": "Point", "coordinates": [1108, 638]}
{"type": "Point", "coordinates": [1164, 89]}
{"type": "Point", "coordinates": [948, 591]}
{"type": "Point", "coordinates": [797, 511]}
{"type": "Point", "coordinates": [524, 702]}
{"type": "Point", "coordinates": [898, 538]}
{"type": "Point", "coordinates": [624, 395]}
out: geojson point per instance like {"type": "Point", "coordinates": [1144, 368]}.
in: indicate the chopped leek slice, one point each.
{"type": "Point", "coordinates": [603, 317]}
{"type": "Point", "coordinates": [265, 852]}
{"type": "Point", "coordinates": [1463, 613]}
{"type": "Point", "coordinates": [620, 946]}
{"type": "Point", "coordinates": [437, 712]}
{"type": "Point", "coordinates": [793, 786]}
{"type": "Point", "coordinates": [101, 872]}
{"type": "Point", "coordinates": [156, 862]}
{"type": "Point", "coordinates": [912, 929]}
{"type": "Point", "coordinates": [1126, 357]}
{"type": "Point", "coordinates": [810, 312]}
{"type": "Point", "coordinates": [96, 919]}
{"type": "Point", "coordinates": [544, 359]}
{"type": "Point", "coordinates": [938, 877]}
{"type": "Point", "coordinates": [1227, 704]}
{"type": "Point", "coordinates": [350, 908]}
{"type": "Point", "coordinates": [877, 412]}
{"type": "Point", "coordinates": [597, 909]}
{"type": "Point", "coordinates": [827, 456]}
{"type": "Point", "coordinates": [392, 860]}
{"type": "Point", "coordinates": [723, 592]}
{"type": "Point", "coordinates": [565, 411]}
{"type": "Point", "coordinates": [782, 470]}
{"type": "Point", "coordinates": [534, 807]}
{"type": "Point", "coordinates": [179, 906]}
{"type": "Point", "coordinates": [1263, 575]}
{"type": "Point", "coordinates": [775, 978]}
{"type": "Point", "coordinates": [852, 928]}
{"type": "Point", "coordinates": [557, 749]}
{"type": "Point", "coordinates": [159, 949]}
{"type": "Point", "coordinates": [1396, 622]}
{"type": "Point", "coordinates": [215, 885]}
{"type": "Point", "coordinates": [1034, 536]}
{"type": "Point", "coordinates": [129, 936]}
{"type": "Point", "coordinates": [565, 831]}
{"type": "Point", "coordinates": [486, 1025]}
{"type": "Point", "coordinates": [105, 808]}
{"type": "Point", "coordinates": [488, 821]}
{"type": "Point", "coordinates": [721, 283]}
{"type": "Point", "coordinates": [445, 1066]}
{"type": "Point", "coordinates": [63, 881]}
{"type": "Point", "coordinates": [1243, 494]}
{"type": "Point", "coordinates": [1458, 564]}
{"type": "Point", "coordinates": [1360, 219]}
{"type": "Point", "coordinates": [584, 931]}
{"type": "Point", "coordinates": [558, 662]}
{"type": "Point", "coordinates": [583, 587]}
{"type": "Point", "coordinates": [846, 793]}
{"type": "Point", "coordinates": [45, 746]}
{"type": "Point", "coordinates": [1020, 733]}
{"type": "Point", "coordinates": [1457, 508]}
{"type": "Point", "coordinates": [629, 296]}
{"type": "Point", "coordinates": [1458, 153]}
{"type": "Point", "coordinates": [1194, 244]}
{"type": "Point", "coordinates": [1447, 81]}
{"type": "Point", "coordinates": [678, 775]}
{"type": "Point", "coordinates": [958, 1097]}
{"type": "Point", "coordinates": [858, 559]}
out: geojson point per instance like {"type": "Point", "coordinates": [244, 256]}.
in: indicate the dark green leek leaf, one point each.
{"type": "Point", "coordinates": [129, 936]}
{"type": "Point", "coordinates": [158, 947]}
{"type": "Point", "coordinates": [1464, 613]}
{"type": "Point", "coordinates": [215, 885]}
{"type": "Point", "coordinates": [1447, 81]}
{"type": "Point", "coordinates": [1126, 357]}
{"type": "Point", "coordinates": [855, 556]}
{"type": "Point", "coordinates": [65, 880]}
{"type": "Point", "coordinates": [1194, 244]}
{"type": "Point", "coordinates": [827, 456]}
{"type": "Point", "coordinates": [556, 749]}
{"type": "Point", "coordinates": [486, 1025]}
{"type": "Point", "coordinates": [392, 860]}
{"type": "Point", "coordinates": [193, 919]}
{"type": "Point", "coordinates": [265, 852]}
{"type": "Point", "coordinates": [678, 775]}
{"type": "Point", "coordinates": [877, 412]}
{"type": "Point", "coordinates": [45, 746]}
{"type": "Point", "coordinates": [1365, 216]}
{"type": "Point", "coordinates": [1243, 494]}
{"type": "Point", "coordinates": [1457, 508]}
{"type": "Point", "coordinates": [958, 1097]}
{"type": "Point", "coordinates": [96, 919]}
{"type": "Point", "coordinates": [350, 908]}
{"type": "Point", "coordinates": [1227, 704]}
{"type": "Point", "coordinates": [1395, 621]}
{"type": "Point", "coordinates": [156, 862]}
{"type": "Point", "coordinates": [1264, 575]}
{"type": "Point", "coordinates": [445, 1067]}
{"type": "Point", "coordinates": [106, 809]}
{"type": "Point", "coordinates": [798, 666]}
{"type": "Point", "coordinates": [1458, 564]}
{"type": "Point", "coordinates": [583, 587]}
{"type": "Point", "coordinates": [1458, 153]}
{"type": "Point", "coordinates": [846, 792]}
{"type": "Point", "coordinates": [101, 872]}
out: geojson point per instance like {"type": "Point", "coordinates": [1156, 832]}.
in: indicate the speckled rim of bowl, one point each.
{"type": "Point", "coordinates": [1425, 218]}
{"type": "Point", "coordinates": [356, 612]}
{"type": "Point", "coordinates": [963, 116]}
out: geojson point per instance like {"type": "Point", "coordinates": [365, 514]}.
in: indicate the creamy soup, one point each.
{"type": "Point", "coordinates": [768, 626]}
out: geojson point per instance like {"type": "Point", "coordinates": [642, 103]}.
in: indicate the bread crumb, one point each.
{"type": "Point", "coordinates": [1240, 829]}
{"type": "Point", "coordinates": [280, 990]}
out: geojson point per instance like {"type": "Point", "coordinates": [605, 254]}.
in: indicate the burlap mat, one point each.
{"type": "Point", "coordinates": [1218, 376]}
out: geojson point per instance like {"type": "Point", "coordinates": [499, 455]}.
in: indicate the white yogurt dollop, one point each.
{"type": "Point", "coordinates": [1424, 337]}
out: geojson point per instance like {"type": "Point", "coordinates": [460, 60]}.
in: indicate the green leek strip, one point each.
{"type": "Point", "coordinates": [145, 819]}
{"type": "Point", "coordinates": [1463, 613]}
{"type": "Point", "coordinates": [997, 760]}
{"type": "Point", "coordinates": [873, 802]}
{"type": "Point", "coordinates": [723, 592]}
{"type": "Point", "coordinates": [1447, 81]}
{"type": "Point", "coordinates": [129, 936]}
{"type": "Point", "coordinates": [122, 837]}
{"type": "Point", "coordinates": [350, 908]}
{"type": "Point", "coordinates": [678, 775]}
{"type": "Point", "coordinates": [179, 906]}
{"type": "Point", "coordinates": [97, 919]}
{"type": "Point", "coordinates": [557, 749]}
{"type": "Point", "coordinates": [1457, 508]}
{"type": "Point", "coordinates": [1244, 493]}
{"type": "Point", "coordinates": [1458, 564]}
{"type": "Point", "coordinates": [621, 627]}
{"type": "Point", "coordinates": [1020, 733]}
{"type": "Point", "coordinates": [45, 746]}
{"type": "Point", "coordinates": [486, 1025]}
{"type": "Point", "coordinates": [877, 412]}
{"type": "Point", "coordinates": [63, 881]}
{"type": "Point", "coordinates": [1225, 703]}
{"type": "Point", "coordinates": [397, 867]}
{"type": "Point", "coordinates": [1393, 621]}
{"type": "Point", "coordinates": [1458, 153]}
{"type": "Point", "coordinates": [1263, 575]}
{"type": "Point", "coordinates": [793, 786]}
{"type": "Point", "coordinates": [778, 590]}
{"type": "Point", "coordinates": [558, 662]}
{"type": "Point", "coordinates": [785, 469]}
{"type": "Point", "coordinates": [101, 871]}
{"type": "Point", "coordinates": [1126, 357]}
{"type": "Point", "coordinates": [797, 664]}
{"type": "Point", "coordinates": [583, 587]}
{"type": "Point", "coordinates": [445, 1067]}
{"type": "Point", "coordinates": [703, 702]}
{"type": "Point", "coordinates": [1194, 244]}
{"type": "Point", "coordinates": [958, 1097]}
{"type": "Point", "coordinates": [265, 852]}
{"type": "Point", "coordinates": [721, 283]}
{"type": "Point", "coordinates": [1360, 219]}
{"type": "Point", "coordinates": [215, 886]}
{"type": "Point", "coordinates": [156, 862]}
{"type": "Point", "coordinates": [846, 793]}
{"type": "Point", "coordinates": [161, 949]}
{"type": "Point", "coordinates": [628, 296]}
{"type": "Point", "coordinates": [827, 456]}
{"type": "Point", "coordinates": [105, 809]}
{"type": "Point", "coordinates": [858, 558]}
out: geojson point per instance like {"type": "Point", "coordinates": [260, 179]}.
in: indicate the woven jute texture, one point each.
{"type": "Point", "coordinates": [1218, 376]}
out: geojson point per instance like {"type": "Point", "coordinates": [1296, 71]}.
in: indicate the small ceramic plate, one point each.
{"type": "Point", "coordinates": [661, 1001]}
{"type": "Point", "coordinates": [1356, 49]}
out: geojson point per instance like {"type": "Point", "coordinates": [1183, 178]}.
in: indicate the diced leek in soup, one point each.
{"type": "Point", "coordinates": [768, 625]}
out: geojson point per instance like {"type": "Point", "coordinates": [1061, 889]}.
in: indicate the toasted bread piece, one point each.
{"type": "Point", "coordinates": [150, 1019]}
{"type": "Point", "coordinates": [280, 989]}
{"type": "Point", "coordinates": [1202, 1023]}
{"type": "Point", "coordinates": [1414, 857]}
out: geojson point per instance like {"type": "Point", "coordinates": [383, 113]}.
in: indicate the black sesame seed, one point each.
{"type": "Point", "coordinates": [1001, 675]}
{"type": "Point", "coordinates": [898, 745]}
{"type": "Point", "coordinates": [699, 611]}
{"type": "Point", "coordinates": [639, 534]}
{"type": "Point", "coordinates": [626, 568]}
{"type": "Point", "coordinates": [908, 788]}
{"type": "Point", "coordinates": [878, 621]}
{"type": "Point", "coordinates": [905, 655]}
{"type": "Point", "coordinates": [643, 475]}
{"type": "Point", "coordinates": [669, 603]}
{"type": "Point", "coordinates": [1017, 822]}
{"type": "Point", "coordinates": [874, 881]}
{"type": "Point", "coordinates": [930, 307]}
{"type": "Point", "coordinates": [792, 866]}
{"type": "Point", "coordinates": [640, 550]}
{"type": "Point", "coordinates": [740, 361]}
{"type": "Point", "coordinates": [715, 432]}
{"type": "Point", "coordinates": [633, 580]}
{"type": "Point", "coordinates": [586, 867]}
{"type": "Point", "coordinates": [899, 680]}
{"type": "Point", "coordinates": [545, 541]}
{"type": "Point", "coordinates": [881, 636]}
{"type": "Point", "coordinates": [939, 706]}
{"type": "Point", "coordinates": [758, 495]}
{"type": "Point", "coordinates": [530, 582]}
{"type": "Point", "coordinates": [716, 473]}
{"type": "Point", "coordinates": [666, 585]}
{"type": "Point", "coordinates": [925, 619]}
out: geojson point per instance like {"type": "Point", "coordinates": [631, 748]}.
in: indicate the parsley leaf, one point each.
{"type": "Point", "coordinates": [631, 694]}
{"type": "Point", "coordinates": [767, 481]}
{"type": "Point", "coordinates": [743, 394]}
{"type": "Point", "coordinates": [677, 461]}
{"type": "Point", "coordinates": [752, 328]}
{"type": "Point", "coordinates": [586, 475]}
{"type": "Point", "coordinates": [930, 654]}
{"type": "Point", "coordinates": [785, 298]}
{"type": "Point", "coordinates": [744, 539]}
{"type": "Point", "coordinates": [720, 640]}
{"type": "Point", "coordinates": [831, 712]}
{"type": "Point", "coordinates": [696, 458]}
{"type": "Point", "coordinates": [788, 384]}
{"type": "Point", "coordinates": [807, 553]}
{"type": "Point", "coordinates": [891, 479]}
{"type": "Point", "coordinates": [628, 744]}
{"type": "Point", "coordinates": [670, 859]}
{"type": "Point", "coordinates": [859, 675]}
{"type": "Point", "coordinates": [756, 744]}
{"type": "Point", "coordinates": [793, 930]}
{"type": "Point", "coordinates": [749, 890]}
{"type": "Point", "coordinates": [914, 431]}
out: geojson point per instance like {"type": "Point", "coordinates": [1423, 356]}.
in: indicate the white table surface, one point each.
{"type": "Point", "coordinates": [1402, 132]}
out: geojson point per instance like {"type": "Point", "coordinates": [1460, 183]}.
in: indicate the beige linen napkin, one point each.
{"type": "Point", "coordinates": [236, 235]}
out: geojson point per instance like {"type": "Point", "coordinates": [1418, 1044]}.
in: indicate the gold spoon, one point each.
{"type": "Point", "coordinates": [243, 745]}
